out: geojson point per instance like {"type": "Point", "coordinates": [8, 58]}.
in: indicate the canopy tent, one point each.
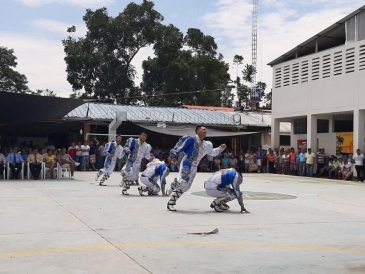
{"type": "Point", "coordinates": [17, 108]}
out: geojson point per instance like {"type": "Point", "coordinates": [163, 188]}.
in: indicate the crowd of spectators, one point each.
{"type": "Point", "coordinates": [90, 156]}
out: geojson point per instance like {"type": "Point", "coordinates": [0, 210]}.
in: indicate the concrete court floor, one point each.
{"type": "Point", "coordinates": [64, 226]}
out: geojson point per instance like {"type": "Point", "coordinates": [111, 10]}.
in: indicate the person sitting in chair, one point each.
{"type": "Point", "coordinates": [65, 159]}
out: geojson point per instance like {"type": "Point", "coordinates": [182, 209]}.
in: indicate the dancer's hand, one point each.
{"type": "Point", "coordinates": [223, 146]}
{"type": "Point", "coordinates": [244, 210]}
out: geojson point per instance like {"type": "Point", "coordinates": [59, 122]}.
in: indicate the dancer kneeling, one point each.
{"type": "Point", "coordinates": [113, 150]}
{"type": "Point", "coordinates": [156, 170]}
{"type": "Point", "coordinates": [225, 186]}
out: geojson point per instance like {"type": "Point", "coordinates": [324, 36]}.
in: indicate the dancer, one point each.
{"type": "Point", "coordinates": [224, 185]}
{"type": "Point", "coordinates": [194, 148]}
{"type": "Point", "coordinates": [137, 150]}
{"type": "Point", "coordinates": [156, 170]}
{"type": "Point", "coordinates": [113, 150]}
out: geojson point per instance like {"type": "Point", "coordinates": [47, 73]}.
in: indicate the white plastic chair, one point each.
{"type": "Point", "coordinates": [60, 170]}
{"type": "Point", "coordinates": [9, 170]}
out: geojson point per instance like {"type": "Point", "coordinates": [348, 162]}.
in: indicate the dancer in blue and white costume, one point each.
{"type": "Point", "coordinates": [155, 171]}
{"type": "Point", "coordinates": [224, 185]}
{"type": "Point", "coordinates": [113, 150]}
{"type": "Point", "coordinates": [194, 148]}
{"type": "Point", "coordinates": [137, 150]}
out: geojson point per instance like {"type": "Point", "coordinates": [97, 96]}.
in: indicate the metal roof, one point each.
{"type": "Point", "coordinates": [106, 112]}
{"type": "Point", "coordinates": [323, 34]}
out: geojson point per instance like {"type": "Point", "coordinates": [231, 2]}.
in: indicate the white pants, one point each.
{"type": "Point", "coordinates": [185, 179]}
{"type": "Point", "coordinates": [150, 184]}
{"type": "Point", "coordinates": [109, 165]}
{"type": "Point", "coordinates": [130, 172]}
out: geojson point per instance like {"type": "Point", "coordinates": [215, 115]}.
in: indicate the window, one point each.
{"type": "Point", "coordinates": [343, 122]}
{"type": "Point", "coordinates": [284, 140]}
{"type": "Point", "coordinates": [300, 126]}
{"type": "Point", "coordinates": [323, 126]}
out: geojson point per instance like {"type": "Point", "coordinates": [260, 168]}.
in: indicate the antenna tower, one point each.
{"type": "Point", "coordinates": [254, 49]}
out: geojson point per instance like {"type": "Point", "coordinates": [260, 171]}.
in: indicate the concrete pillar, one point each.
{"type": "Point", "coordinates": [359, 122]}
{"type": "Point", "coordinates": [275, 133]}
{"type": "Point", "coordinates": [120, 116]}
{"type": "Point", "coordinates": [312, 132]}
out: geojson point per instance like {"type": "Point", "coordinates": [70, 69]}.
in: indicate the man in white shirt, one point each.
{"type": "Point", "coordinates": [247, 160]}
{"type": "Point", "coordinates": [85, 148]}
{"type": "Point", "coordinates": [310, 161]}
{"type": "Point", "coordinates": [358, 159]}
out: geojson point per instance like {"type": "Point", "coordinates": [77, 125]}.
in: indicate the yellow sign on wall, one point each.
{"type": "Point", "coordinates": [345, 142]}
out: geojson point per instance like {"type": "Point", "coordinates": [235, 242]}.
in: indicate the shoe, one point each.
{"type": "Point", "coordinates": [98, 174]}
{"type": "Point", "coordinates": [77, 164]}
{"type": "Point", "coordinates": [72, 178]}
{"type": "Point", "coordinates": [102, 184]}
{"type": "Point", "coordinates": [152, 194]}
{"type": "Point", "coordinates": [124, 192]}
{"type": "Point", "coordinates": [223, 207]}
{"type": "Point", "coordinates": [140, 190]}
{"type": "Point", "coordinates": [171, 207]}
{"type": "Point", "coordinates": [216, 207]}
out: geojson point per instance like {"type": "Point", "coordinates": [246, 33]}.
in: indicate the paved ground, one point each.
{"type": "Point", "coordinates": [296, 225]}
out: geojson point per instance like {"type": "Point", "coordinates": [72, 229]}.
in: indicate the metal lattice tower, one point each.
{"type": "Point", "coordinates": [254, 43]}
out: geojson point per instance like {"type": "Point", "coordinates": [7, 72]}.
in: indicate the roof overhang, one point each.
{"type": "Point", "coordinates": [189, 129]}
{"type": "Point", "coordinates": [17, 108]}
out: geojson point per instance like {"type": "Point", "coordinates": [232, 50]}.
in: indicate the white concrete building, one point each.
{"type": "Point", "coordinates": [319, 87]}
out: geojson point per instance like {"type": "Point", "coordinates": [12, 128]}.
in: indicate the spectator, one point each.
{"type": "Point", "coordinates": [247, 160]}
{"type": "Point", "coordinates": [346, 173]}
{"type": "Point", "coordinates": [259, 159]}
{"type": "Point", "coordinates": [310, 161]}
{"type": "Point", "coordinates": [217, 164]}
{"type": "Point", "coordinates": [50, 161]}
{"type": "Point", "coordinates": [2, 163]}
{"type": "Point", "coordinates": [292, 162]}
{"type": "Point", "coordinates": [241, 161]}
{"type": "Point", "coordinates": [92, 156]}
{"type": "Point", "coordinates": [338, 174]}
{"type": "Point", "coordinates": [358, 160]}
{"type": "Point", "coordinates": [49, 146]}
{"type": "Point", "coordinates": [65, 159]}
{"type": "Point", "coordinates": [43, 152]}
{"type": "Point", "coordinates": [157, 151]}
{"type": "Point", "coordinates": [35, 163]}
{"type": "Point", "coordinates": [225, 161]}
{"type": "Point", "coordinates": [15, 163]}
{"type": "Point", "coordinates": [302, 162]}
{"type": "Point", "coordinates": [204, 165]}
{"type": "Point", "coordinates": [327, 166]}
{"type": "Point", "coordinates": [333, 170]}
{"type": "Point", "coordinates": [79, 154]}
{"type": "Point", "coordinates": [85, 149]}
{"type": "Point", "coordinates": [174, 165]}
{"type": "Point", "coordinates": [264, 162]}
{"type": "Point", "coordinates": [271, 158]}
{"type": "Point", "coordinates": [232, 162]}
{"type": "Point", "coordinates": [339, 155]}
{"type": "Point", "coordinates": [286, 163]}
{"type": "Point", "coordinates": [320, 160]}
{"type": "Point", "coordinates": [72, 151]}
{"type": "Point", "coordinates": [279, 162]}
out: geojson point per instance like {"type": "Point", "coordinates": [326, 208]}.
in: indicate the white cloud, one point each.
{"type": "Point", "coordinates": [81, 3]}
{"type": "Point", "coordinates": [284, 25]}
{"type": "Point", "coordinates": [58, 27]}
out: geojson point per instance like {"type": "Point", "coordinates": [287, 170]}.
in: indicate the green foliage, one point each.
{"type": "Point", "coordinates": [184, 64]}
{"type": "Point", "coordinates": [100, 62]}
{"type": "Point", "coordinates": [45, 92]}
{"type": "Point", "coordinates": [11, 80]}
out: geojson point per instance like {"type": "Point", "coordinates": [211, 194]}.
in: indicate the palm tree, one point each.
{"type": "Point", "coordinates": [339, 141]}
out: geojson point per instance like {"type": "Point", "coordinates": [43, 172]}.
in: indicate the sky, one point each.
{"type": "Point", "coordinates": [35, 29]}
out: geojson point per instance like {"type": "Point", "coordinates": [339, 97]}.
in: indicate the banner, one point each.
{"type": "Point", "coordinates": [345, 142]}
{"type": "Point", "coordinates": [256, 94]}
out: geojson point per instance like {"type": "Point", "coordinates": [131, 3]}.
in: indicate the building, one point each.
{"type": "Point", "coordinates": [319, 87]}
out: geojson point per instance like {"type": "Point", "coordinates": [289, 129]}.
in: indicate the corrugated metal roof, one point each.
{"type": "Point", "coordinates": [101, 111]}
{"type": "Point", "coordinates": [209, 108]}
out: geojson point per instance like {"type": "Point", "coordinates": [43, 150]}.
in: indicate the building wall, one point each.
{"type": "Point", "coordinates": [326, 82]}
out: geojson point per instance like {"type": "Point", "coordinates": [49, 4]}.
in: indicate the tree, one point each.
{"type": "Point", "coordinates": [268, 99]}
{"type": "Point", "coordinates": [11, 80]}
{"type": "Point", "coordinates": [100, 62]}
{"type": "Point", "coordinates": [185, 70]}
{"type": "Point", "coordinates": [45, 92]}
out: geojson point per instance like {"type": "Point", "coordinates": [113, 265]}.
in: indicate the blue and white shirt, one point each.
{"type": "Point", "coordinates": [137, 150]}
